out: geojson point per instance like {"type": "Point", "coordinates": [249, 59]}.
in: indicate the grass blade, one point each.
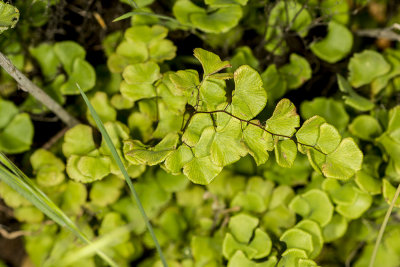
{"type": "Point", "coordinates": [121, 166]}
{"type": "Point", "coordinates": [17, 180]}
{"type": "Point", "coordinates": [113, 238]}
{"type": "Point", "coordinates": [383, 227]}
{"type": "Point", "coordinates": [132, 13]}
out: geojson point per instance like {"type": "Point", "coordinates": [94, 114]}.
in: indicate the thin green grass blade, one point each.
{"type": "Point", "coordinates": [17, 180]}
{"type": "Point", "coordinates": [132, 13]}
{"type": "Point", "coordinates": [383, 227]}
{"type": "Point", "coordinates": [121, 166]}
{"type": "Point", "coordinates": [112, 238]}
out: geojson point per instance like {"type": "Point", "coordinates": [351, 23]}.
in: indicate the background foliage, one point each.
{"type": "Point", "coordinates": [256, 133]}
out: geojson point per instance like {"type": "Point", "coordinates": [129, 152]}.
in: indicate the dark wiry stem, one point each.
{"type": "Point", "coordinates": [255, 124]}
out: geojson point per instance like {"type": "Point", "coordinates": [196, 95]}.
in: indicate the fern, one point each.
{"type": "Point", "coordinates": [216, 132]}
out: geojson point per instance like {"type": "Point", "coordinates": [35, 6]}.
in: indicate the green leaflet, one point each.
{"type": "Point", "coordinates": [249, 97]}
{"type": "Point", "coordinates": [259, 142]}
{"type": "Point", "coordinates": [365, 127]}
{"type": "Point", "coordinates": [87, 168]}
{"type": "Point", "coordinates": [344, 161]}
{"type": "Point", "coordinates": [364, 67]}
{"type": "Point", "coordinates": [106, 191]}
{"type": "Point", "coordinates": [257, 248]}
{"type": "Point", "coordinates": [226, 147]}
{"type": "Point", "coordinates": [350, 200]}
{"type": "Point", "coordinates": [309, 132]}
{"type": "Point", "coordinates": [314, 205]}
{"type": "Point", "coordinates": [11, 197]}
{"type": "Point", "coordinates": [47, 58]}
{"type": "Point", "coordinates": [223, 17]}
{"type": "Point", "coordinates": [174, 99]}
{"type": "Point", "coordinates": [183, 9]}
{"type": "Point", "coordinates": [368, 183]}
{"type": "Point", "coordinates": [177, 159]}
{"type": "Point", "coordinates": [296, 72]}
{"type": "Point", "coordinates": [284, 120]}
{"type": "Point", "coordinates": [67, 52]}
{"type": "Point", "coordinates": [327, 151]}
{"type": "Point", "coordinates": [336, 45]}
{"type": "Point", "coordinates": [49, 168]}
{"type": "Point", "coordinates": [9, 16]}
{"type": "Point", "coordinates": [7, 110]}
{"type": "Point", "coordinates": [236, 223]}
{"type": "Point", "coordinates": [145, 34]}
{"type": "Point", "coordinates": [352, 98]}
{"type": "Point", "coordinates": [314, 229]}
{"type": "Point", "coordinates": [78, 141]}
{"type": "Point", "coordinates": [140, 44]}
{"type": "Point", "coordinates": [393, 58]}
{"type": "Point", "coordinates": [211, 62]}
{"type": "Point", "coordinates": [185, 81]}
{"type": "Point", "coordinates": [295, 257]}
{"type": "Point", "coordinates": [250, 201]}
{"type": "Point", "coordinates": [11, 139]}
{"type": "Point", "coordinates": [71, 57]}
{"type": "Point", "coordinates": [82, 73]}
{"type": "Point", "coordinates": [285, 152]}
{"type": "Point", "coordinates": [297, 238]}
{"type": "Point", "coordinates": [340, 194]}
{"type": "Point", "coordinates": [335, 229]}
{"type": "Point", "coordinates": [354, 210]}
{"type": "Point", "coordinates": [74, 198]}
{"type": "Point", "coordinates": [139, 73]}
{"type": "Point", "coordinates": [307, 236]}
{"type": "Point", "coordinates": [119, 102]}
{"type": "Point", "coordinates": [139, 79]}
{"type": "Point", "coordinates": [138, 153]}
{"type": "Point", "coordinates": [212, 92]}
{"type": "Point", "coordinates": [201, 170]}
{"type": "Point", "coordinates": [220, 21]}
{"type": "Point", "coordinates": [329, 138]}
{"type": "Point", "coordinates": [196, 126]}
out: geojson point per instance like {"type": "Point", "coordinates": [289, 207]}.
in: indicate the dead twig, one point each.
{"type": "Point", "coordinates": [12, 235]}
{"type": "Point", "coordinates": [55, 138]}
{"type": "Point", "coordinates": [387, 33]}
{"type": "Point", "coordinates": [28, 86]}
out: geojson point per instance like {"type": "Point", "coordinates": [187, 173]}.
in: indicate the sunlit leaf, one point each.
{"type": "Point", "coordinates": [211, 62]}
{"type": "Point", "coordinates": [284, 120]}
{"type": "Point", "coordinates": [249, 97]}
{"type": "Point", "coordinates": [336, 45]}
{"type": "Point", "coordinates": [364, 67]}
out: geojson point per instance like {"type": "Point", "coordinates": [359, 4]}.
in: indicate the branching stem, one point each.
{"type": "Point", "coordinates": [257, 125]}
